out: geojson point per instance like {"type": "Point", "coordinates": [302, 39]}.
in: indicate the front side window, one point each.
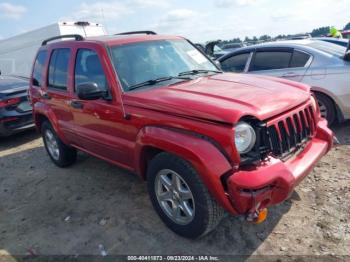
{"type": "Point", "coordinates": [38, 68]}
{"type": "Point", "coordinates": [270, 60]}
{"type": "Point", "coordinates": [235, 63]}
{"type": "Point", "coordinates": [143, 61]}
{"type": "Point", "coordinates": [88, 68]}
{"type": "Point", "coordinates": [58, 69]}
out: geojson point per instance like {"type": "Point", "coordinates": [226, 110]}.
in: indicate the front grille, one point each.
{"type": "Point", "coordinates": [287, 135]}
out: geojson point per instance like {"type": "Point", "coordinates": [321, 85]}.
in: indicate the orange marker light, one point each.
{"type": "Point", "coordinates": [261, 217]}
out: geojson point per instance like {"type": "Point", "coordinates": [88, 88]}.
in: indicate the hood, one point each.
{"type": "Point", "coordinates": [223, 97]}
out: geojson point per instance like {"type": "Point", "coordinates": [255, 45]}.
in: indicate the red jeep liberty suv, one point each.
{"type": "Point", "coordinates": [204, 140]}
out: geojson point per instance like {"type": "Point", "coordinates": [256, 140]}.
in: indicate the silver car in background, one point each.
{"type": "Point", "coordinates": [320, 64]}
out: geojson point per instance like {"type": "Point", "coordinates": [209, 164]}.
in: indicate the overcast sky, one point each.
{"type": "Point", "coordinates": [198, 20]}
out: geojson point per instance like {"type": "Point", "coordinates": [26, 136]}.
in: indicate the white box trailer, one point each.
{"type": "Point", "coordinates": [17, 53]}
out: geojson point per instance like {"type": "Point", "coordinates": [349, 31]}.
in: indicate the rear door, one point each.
{"type": "Point", "coordinates": [57, 91]}
{"type": "Point", "coordinates": [280, 62]}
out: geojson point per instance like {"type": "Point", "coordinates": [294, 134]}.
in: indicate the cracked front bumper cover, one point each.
{"type": "Point", "coordinates": [273, 180]}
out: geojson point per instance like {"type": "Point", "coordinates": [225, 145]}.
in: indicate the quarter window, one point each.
{"type": "Point", "coordinates": [38, 69]}
{"type": "Point", "coordinates": [58, 69]}
{"type": "Point", "coordinates": [88, 68]}
{"type": "Point", "coordinates": [299, 59]}
{"type": "Point", "coordinates": [270, 60]}
{"type": "Point", "coordinates": [235, 63]}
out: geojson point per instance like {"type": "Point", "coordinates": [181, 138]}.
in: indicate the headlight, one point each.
{"type": "Point", "coordinates": [244, 137]}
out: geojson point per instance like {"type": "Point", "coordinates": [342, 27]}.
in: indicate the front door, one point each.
{"type": "Point", "coordinates": [99, 124]}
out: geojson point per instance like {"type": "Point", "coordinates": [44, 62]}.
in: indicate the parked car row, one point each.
{"type": "Point", "coordinates": [323, 65]}
{"type": "Point", "coordinates": [310, 61]}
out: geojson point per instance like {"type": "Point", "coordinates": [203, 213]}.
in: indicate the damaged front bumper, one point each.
{"type": "Point", "coordinates": [274, 180]}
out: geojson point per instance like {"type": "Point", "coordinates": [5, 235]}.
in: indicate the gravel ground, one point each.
{"type": "Point", "coordinates": [47, 210]}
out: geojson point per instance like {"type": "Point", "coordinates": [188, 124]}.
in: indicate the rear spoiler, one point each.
{"type": "Point", "coordinates": [347, 52]}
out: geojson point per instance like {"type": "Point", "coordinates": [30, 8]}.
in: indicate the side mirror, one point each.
{"type": "Point", "coordinates": [89, 91]}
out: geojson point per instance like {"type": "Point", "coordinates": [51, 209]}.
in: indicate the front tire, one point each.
{"type": "Point", "coordinates": [180, 198]}
{"type": "Point", "coordinates": [61, 154]}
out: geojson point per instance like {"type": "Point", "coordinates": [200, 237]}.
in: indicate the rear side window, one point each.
{"type": "Point", "coordinates": [235, 63]}
{"type": "Point", "coordinates": [88, 68]}
{"type": "Point", "coordinates": [58, 69]}
{"type": "Point", "coordinates": [299, 59]}
{"type": "Point", "coordinates": [38, 68]}
{"type": "Point", "coordinates": [270, 60]}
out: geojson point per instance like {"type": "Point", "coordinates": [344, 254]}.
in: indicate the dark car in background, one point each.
{"type": "Point", "coordinates": [232, 46]}
{"type": "Point", "coordinates": [212, 49]}
{"type": "Point", "coordinates": [15, 110]}
{"type": "Point", "coordinates": [337, 41]}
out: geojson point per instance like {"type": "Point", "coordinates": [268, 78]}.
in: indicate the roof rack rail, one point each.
{"type": "Point", "coordinates": [76, 37]}
{"type": "Point", "coordinates": [138, 32]}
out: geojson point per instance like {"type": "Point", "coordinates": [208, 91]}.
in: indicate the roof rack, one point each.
{"type": "Point", "coordinates": [76, 37]}
{"type": "Point", "coordinates": [138, 32]}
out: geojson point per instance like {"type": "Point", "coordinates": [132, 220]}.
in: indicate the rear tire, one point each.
{"type": "Point", "coordinates": [194, 218]}
{"type": "Point", "coordinates": [327, 108]}
{"type": "Point", "coordinates": [61, 154]}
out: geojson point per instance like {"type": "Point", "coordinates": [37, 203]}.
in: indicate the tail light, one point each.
{"type": "Point", "coordinates": [10, 102]}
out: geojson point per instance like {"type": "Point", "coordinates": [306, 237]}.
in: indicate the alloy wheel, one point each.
{"type": "Point", "coordinates": [174, 196]}
{"type": "Point", "coordinates": [51, 144]}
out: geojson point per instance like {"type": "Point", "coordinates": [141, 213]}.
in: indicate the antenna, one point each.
{"type": "Point", "coordinates": [104, 19]}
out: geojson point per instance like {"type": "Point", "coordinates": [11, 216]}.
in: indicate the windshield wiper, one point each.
{"type": "Point", "coordinates": [157, 80]}
{"type": "Point", "coordinates": [198, 71]}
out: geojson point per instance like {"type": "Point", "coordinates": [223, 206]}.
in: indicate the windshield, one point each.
{"type": "Point", "coordinates": [329, 48]}
{"type": "Point", "coordinates": [139, 62]}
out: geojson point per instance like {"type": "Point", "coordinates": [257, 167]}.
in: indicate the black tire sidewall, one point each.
{"type": "Point", "coordinates": [327, 102]}
{"type": "Point", "coordinates": [200, 221]}
{"type": "Point", "coordinates": [67, 155]}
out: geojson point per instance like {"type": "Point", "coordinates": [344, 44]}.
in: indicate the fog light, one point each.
{"type": "Point", "coordinates": [261, 216]}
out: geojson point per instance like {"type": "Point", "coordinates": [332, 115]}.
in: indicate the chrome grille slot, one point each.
{"type": "Point", "coordinates": [289, 134]}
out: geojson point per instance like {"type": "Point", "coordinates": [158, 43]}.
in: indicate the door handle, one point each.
{"type": "Point", "coordinates": [290, 74]}
{"type": "Point", "coordinates": [45, 96]}
{"type": "Point", "coordinates": [76, 104]}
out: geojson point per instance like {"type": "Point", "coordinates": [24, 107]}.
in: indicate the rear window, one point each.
{"type": "Point", "coordinates": [329, 48]}
{"type": "Point", "coordinates": [269, 60]}
{"type": "Point", "coordinates": [38, 68]}
{"type": "Point", "coordinates": [235, 63]}
{"type": "Point", "coordinates": [299, 59]}
{"type": "Point", "coordinates": [58, 69]}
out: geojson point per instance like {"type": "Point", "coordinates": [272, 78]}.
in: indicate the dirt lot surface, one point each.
{"type": "Point", "coordinates": [48, 210]}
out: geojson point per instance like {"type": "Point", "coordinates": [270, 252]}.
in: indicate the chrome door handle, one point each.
{"type": "Point", "coordinates": [290, 74]}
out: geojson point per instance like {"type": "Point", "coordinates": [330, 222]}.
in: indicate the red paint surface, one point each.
{"type": "Point", "coordinates": [194, 120]}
